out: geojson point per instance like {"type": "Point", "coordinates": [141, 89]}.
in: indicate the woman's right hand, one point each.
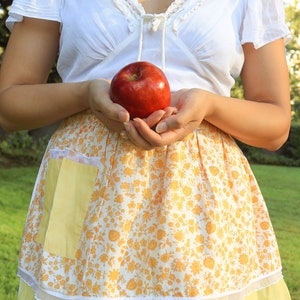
{"type": "Point", "coordinates": [111, 114]}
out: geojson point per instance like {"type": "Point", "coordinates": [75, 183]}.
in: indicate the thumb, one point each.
{"type": "Point", "coordinates": [121, 113]}
{"type": "Point", "coordinates": [115, 112]}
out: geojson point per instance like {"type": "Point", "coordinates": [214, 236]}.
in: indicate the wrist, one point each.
{"type": "Point", "coordinates": [207, 102]}
{"type": "Point", "coordinates": [82, 94]}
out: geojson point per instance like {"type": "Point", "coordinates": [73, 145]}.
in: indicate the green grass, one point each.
{"type": "Point", "coordinates": [15, 190]}
{"type": "Point", "coordinates": [281, 189]}
{"type": "Point", "coordinates": [280, 186]}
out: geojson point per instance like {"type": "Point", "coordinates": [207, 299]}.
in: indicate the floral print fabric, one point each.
{"type": "Point", "coordinates": [185, 220]}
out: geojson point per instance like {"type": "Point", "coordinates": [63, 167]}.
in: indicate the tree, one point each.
{"type": "Point", "coordinates": [4, 33]}
{"type": "Point", "coordinates": [293, 54]}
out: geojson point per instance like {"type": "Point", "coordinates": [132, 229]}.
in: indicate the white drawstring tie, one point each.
{"type": "Point", "coordinates": [154, 21]}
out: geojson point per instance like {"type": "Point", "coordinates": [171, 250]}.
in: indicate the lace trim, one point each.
{"type": "Point", "coordinates": [129, 11]}
{"type": "Point", "coordinates": [173, 8]}
{"type": "Point", "coordinates": [74, 156]}
{"type": "Point", "coordinates": [132, 9]}
{"type": "Point", "coordinates": [187, 14]}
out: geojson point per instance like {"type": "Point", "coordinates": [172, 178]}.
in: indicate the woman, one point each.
{"type": "Point", "coordinates": [120, 210]}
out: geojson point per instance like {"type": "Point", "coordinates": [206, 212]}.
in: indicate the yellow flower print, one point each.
{"type": "Point", "coordinates": [152, 262]}
{"type": "Point", "coordinates": [179, 236]}
{"type": "Point", "coordinates": [192, 292]}
{"type": "Point", "coordinates": [113, 275]}
{"type": "Point", "coordinates": [128, 171]}
{"type": "Point", "coordinates": [178, 265]}
{"type": "Point", "coordinates": [165, 257]}
{"type": "Point", "coordinates": [131, 266]}
{"type": "Point", "coordinates": [196, 267]}
{"type": "Point", "coordinates": [243, 259]}
{"type": "Point", "coordinates": [152, 245]}
{"type": "Point", "coordinates": [119, 199]}
{"type": "Point", "coordinates": [103, 258]}
{"type": "Point", "coordinates": [214, 171]}
{"type": "Point", "coordinates": [208, 291]}
{"type": "Point", "coordinates": [146, 216]}
{"type": "Point", "coordinates": [113, 235]}
{"type": "Point", "coordinates": [264, 225]}
{"type": "Point", "coordinates": [209, 262]}
{"type": "Point", "coordinates": [131, 284]}
{"type": "Point", "coordinates": [161, 234]}
{"type": "Point", "coordinates": [210, 228]}
{"type": "Point", "coordinates": [187, 191]}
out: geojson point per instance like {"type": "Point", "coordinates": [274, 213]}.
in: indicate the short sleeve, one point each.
{"type": "Point", "coordinates": [40, 9]}
{"type": "Point", "coordinates": [264, 22]}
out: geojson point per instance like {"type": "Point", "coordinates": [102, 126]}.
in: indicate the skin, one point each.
{"type": "Point", "coordinates": [27, 101]}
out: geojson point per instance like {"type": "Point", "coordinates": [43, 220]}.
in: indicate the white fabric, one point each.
{"type": "Point", "coordinates": [41, 9]}
{"type": "Point", "coordinates": [100, 37]}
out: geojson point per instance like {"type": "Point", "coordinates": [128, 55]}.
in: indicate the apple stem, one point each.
{"type": "Point", "coordinates": [134, 77]}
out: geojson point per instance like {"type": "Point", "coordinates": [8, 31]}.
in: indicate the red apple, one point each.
{"type": "Point", "coordinates": [141, 88]}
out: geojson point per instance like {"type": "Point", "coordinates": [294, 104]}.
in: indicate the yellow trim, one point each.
{"type": "Point", "coordinates": [277, 291]}
{"type": "Point", "coordinates": [25, 292]}
{"type": "Point", "coordinates": [51, 180]}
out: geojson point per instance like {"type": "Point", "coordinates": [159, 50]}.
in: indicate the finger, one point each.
{"type": "Point", "coordinates": [170, 110]}
{"type": "Point", "coordinates": [149, 135]}
{"type": "Point", "coordinates": [166, 138]}
{"type": "Point", "coordinates": [159, 115]}
{"type": "Point", "coordinates": [135, 137]}
{"type": "Point", "coordinates": [154, 118]}
{"type": "Point", "coordinates": [176, 121]}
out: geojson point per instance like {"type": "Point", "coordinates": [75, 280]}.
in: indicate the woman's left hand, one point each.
{"type": "Point", "coordinates": [189, 107]}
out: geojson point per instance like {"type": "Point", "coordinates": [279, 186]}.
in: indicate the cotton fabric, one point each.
{"type": "Point", "coordinates": [185, 221]}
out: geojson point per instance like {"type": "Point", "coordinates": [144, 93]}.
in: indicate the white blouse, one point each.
{"type": "Point", "coordinates": [197, 43]}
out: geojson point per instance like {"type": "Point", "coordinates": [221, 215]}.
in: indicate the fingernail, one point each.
{"type": "Point", "coordinates": [161, 127]}
{"type": "Point", "coordinates": [122, 115]}
{"type": "Point", "coordinates": [136, 122]}
{"type": "Point", "coordinates": [126, 126]}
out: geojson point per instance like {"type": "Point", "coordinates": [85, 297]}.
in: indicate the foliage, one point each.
{"type": "Point", "coordinates": [288, 155]}
{"type": "Point", "coordinates": [4, 33]}
{"type": "Point", "coordinates": [293, 54]}
{"type": "Point", "coordinates": [22, 148]}
{"type": "Point", "coordinates": [292, 147]}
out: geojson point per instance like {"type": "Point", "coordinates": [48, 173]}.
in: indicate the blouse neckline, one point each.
{"type": "Point", "coordinates": [174, 6]}
{"type": "Point", "coordinates": [134, 12]}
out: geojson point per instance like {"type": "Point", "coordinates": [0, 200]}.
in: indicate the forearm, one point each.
{"type": "Point", "coordinates": [259, 124]}
{"type": "Point", "coordinates": [34, 106]}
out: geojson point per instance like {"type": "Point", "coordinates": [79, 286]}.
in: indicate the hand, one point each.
{"type": "Point", "coordinates": [173, 124]}
{"type": "Point", "coordinates": [111, 114]}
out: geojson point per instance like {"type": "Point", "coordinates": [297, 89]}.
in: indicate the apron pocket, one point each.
{"type": "Point", "coordinates": [68, 190]}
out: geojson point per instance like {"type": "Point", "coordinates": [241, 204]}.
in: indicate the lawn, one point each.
{"type": "Point", "coordinates": [281, 188]}
{"type": "Point", "coordinates": [280, 185]}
